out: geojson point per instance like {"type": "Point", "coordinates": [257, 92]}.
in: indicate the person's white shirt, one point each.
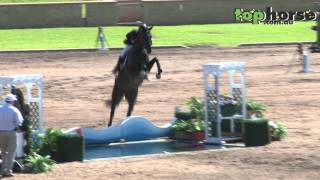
{"type": "Point", "coordinates": [10, 117]}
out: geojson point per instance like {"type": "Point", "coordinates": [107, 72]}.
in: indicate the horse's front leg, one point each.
{"type": "Point", "coordinates": [150, 65]}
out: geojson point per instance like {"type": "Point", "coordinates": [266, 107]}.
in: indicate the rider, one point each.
{"type": "Point", "coordinates": [129, 41]}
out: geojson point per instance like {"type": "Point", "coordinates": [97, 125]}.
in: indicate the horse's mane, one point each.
{"type": "Point", "coordinates": [20, 98]}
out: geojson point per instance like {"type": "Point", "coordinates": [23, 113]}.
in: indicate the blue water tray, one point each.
{"type": "Point", "coordinates": [148, 147]}
{"type": "Point", "coordinates": [134, 128]}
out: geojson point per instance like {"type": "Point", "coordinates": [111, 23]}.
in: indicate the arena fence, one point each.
{"type": "Point", "coordinates": [155, 12]}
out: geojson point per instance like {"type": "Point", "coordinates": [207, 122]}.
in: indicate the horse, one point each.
{"type": "Point", "coordinates": [20, 104]}
{"type": "Point", "coordinates": [25, 112]}
{"type": "Point", "coordinates": [132, 68]}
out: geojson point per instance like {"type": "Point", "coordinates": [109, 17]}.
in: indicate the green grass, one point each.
{"type": "Point", "coordinates": [36, 1]}
{"type": "Point", "coordinates": [190, 35]}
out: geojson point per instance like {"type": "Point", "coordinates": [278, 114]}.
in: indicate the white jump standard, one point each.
{"type": "Point", "coordinates": [237, 90]}
{"type": "Point", "coordinates": [34, 100]}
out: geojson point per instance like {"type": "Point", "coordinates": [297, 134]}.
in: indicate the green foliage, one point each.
{"type": "Point", "coordinates": [277, 130]}
{"type": "Point", "coordinates": [212, 34]}
{"type": "Point", "coordinates": [36, 163]}
{"type": "Point", "coordinates": [192, 121]}
{"type": "Point", "coordinates": [29, 148]}
{"type": "Point", "coordinates": [256, 106]}
{"type": "Point", "coordinates": [198, 125]}
{"type": "Point", "coordinates": [253, 107]}
{"type": "Point", "coordinates": [190, 125]}
{"type": "Point", "coordinates": [196, 107]}
{"type": "Point", "coordinates": [48, 141]}
{"type": "Point", "coordinates": [182, 125]}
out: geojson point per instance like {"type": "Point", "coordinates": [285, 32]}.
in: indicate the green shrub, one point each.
{"type": "Point", "coordinates": [192, 121]}
{"type": "Point", "coordinates": [256, 132]}
{"type": "Point", "coordinates": [36, 163]}
{"type": "Point", "coordinates": [30, 146]}
{"type": "Point", "coordinates": [48, 141]}
{"type": "Point", "coordinates": [181, 125]}
{"type": "Point", "coordinates": [191, 125]}
{"type": "Point", "coordinates": [196, 107]}
{"type": "Point", "coordinates": [253, 107]}
{"type": "Point", "coordinates": [70, 148]}
{"type": "Point", "coordinates": [277, 131]}
{"type": "Point", "coordinates": [256, 107]}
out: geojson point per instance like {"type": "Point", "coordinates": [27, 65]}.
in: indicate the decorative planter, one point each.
{"type": "Point", "coordinates": [70, 148]}
{"type": "Point", "coordinates": [256, 132]}
{"type": "Point", "coordinates": [196, 136]}
{"type": "Point", "coordinates": [190, 136]}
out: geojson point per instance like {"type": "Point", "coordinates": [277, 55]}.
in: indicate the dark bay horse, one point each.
{"type": "Point", "coordinates": [132, 68]}
{"type": "Point", "coordinates": [25, 112]}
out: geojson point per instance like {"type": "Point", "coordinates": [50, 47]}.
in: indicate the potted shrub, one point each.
{"type": "Point", "coordinates": [196, 107]}
{"type": "Point", "coordinates": [190, 125]}
{"type": "Point", "coordinates": [256, 132]}
{"type": "Point", "coordinates": [48, 142]}
{"type": "Point", "coordinates": [188, 130]}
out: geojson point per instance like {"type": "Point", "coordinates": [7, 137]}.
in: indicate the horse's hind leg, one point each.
{"type": "Point", "coordinates": [117, 95]}
{"type": "Point", "coordinates": [131, 97]}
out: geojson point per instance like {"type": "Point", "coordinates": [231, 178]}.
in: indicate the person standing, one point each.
{"type": "Point", "coordinates": [10, 120]}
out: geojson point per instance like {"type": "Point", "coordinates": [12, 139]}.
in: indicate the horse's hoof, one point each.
{"type": "Point", "coordinates": [158, 76]}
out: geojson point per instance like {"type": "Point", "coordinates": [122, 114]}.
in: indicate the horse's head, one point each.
{"type": "Point", "coordinates": [20, 100]}
{"type": "Point", "coordinates": [144, 37]}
